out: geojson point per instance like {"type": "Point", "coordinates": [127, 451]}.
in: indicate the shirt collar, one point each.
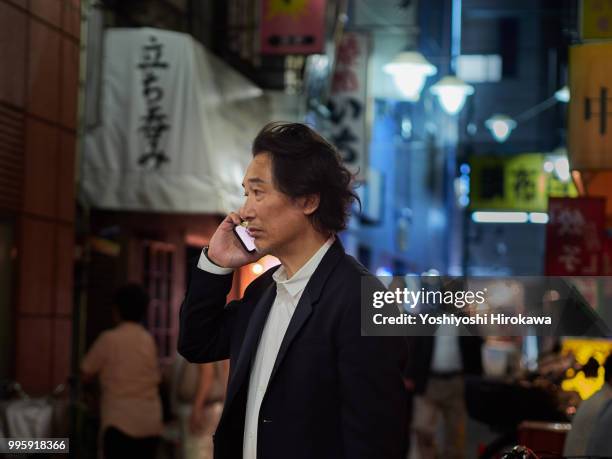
{"type": "Point", "coordinates": [298, 281]}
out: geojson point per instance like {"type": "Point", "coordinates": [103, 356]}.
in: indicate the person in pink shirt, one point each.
{"type": "Point", "coordinates": [125, 361]}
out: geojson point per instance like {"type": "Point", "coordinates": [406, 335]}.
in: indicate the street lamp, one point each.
{"type": "Point", "coordinates": [452, 92]}
{"type": "Point", "coordinates": [500, 126]}
{"type": "Point", "coordinates": [409, 70]}
{"type": "Point", "coordinates": [563, 95]}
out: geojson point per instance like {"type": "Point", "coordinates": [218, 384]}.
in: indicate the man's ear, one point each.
{"type": "Point", "coordinates": [310, 203]}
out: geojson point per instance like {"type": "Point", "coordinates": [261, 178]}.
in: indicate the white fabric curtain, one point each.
{"type": "Point", "coordinates": [177, 124]}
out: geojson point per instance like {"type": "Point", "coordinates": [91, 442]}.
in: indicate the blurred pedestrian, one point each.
{"type": "Point", "coordinates": [125, 361]}
{"type": "Point", "coordinates": [600, 442]}
{"type": "Point", "coordinates": [587, 417]}
{"type": "Point", "coordinates": [200, 393]}
{"type": "Point", "coordinates": [437, 373]}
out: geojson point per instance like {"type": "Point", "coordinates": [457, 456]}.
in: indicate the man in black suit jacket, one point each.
{"type": "Point", "coordinates": [303, 381]}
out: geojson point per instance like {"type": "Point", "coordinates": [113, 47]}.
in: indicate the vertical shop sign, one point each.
{"type": "Point", "coordinates": [292, 26]}
{"type": "Point", "coordinates": [606, 269]}
{"type": "Point", "coordinates": [574, 236]}
{"type": "Point", "coordinates": [590, 109]}
{"type": "Point", "coordinates": [516, 182]}
{"type": "Point", "coordinates": [595, 19]}
{"type": "Point", "coordinates": [348, 101]}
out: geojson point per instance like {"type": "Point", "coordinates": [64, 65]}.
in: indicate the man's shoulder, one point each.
{"type": "Point", "coordinates": [109, 334]}
{"type": "Point", "coordinates": [346, 277]}
{"type": "Point", "coordinates": [348, 271]}
{"type": "Point", "coordinates": [105, 340]}
{"type": "Point", "coordinates": [351, 268]}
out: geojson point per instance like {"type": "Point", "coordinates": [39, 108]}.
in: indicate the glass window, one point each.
{"type": "Point", "coordinates": [479, 68]}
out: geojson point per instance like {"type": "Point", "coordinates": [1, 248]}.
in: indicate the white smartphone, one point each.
{"type": "Point", "coordinates": [247, 241]}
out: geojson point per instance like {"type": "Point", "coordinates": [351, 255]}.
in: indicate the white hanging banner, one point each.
{"type": "Point", "coordinates": [348, 127]}
{"type": "Point", "coordinates": [176, 127]}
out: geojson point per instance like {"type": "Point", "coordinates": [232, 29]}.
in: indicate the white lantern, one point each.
{"type": "Point", "coordinates": [563, 95]}
{"type": "Point", "coordinates": [452, 92]}
{"type": "Point", "coordinates": [500, 126]}
{"type": "Point", "coordinates": [409, 70]}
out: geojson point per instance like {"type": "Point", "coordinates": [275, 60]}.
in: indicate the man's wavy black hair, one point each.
{"type": "Point", "coordinates": [304, 163]}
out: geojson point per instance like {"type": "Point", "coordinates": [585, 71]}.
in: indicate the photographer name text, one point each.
{"type": "Point", "coordinates": [451, 319]}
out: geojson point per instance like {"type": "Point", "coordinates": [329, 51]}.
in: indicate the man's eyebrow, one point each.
{"type": "Point", "coordinates": [254, 180]}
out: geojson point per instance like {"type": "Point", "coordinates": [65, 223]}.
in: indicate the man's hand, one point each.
{"type": "Point", "coordinates": [225, 249]}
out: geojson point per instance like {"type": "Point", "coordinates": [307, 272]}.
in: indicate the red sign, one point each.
{"type": "Point", "coordinates": [348, 101]}
{"type": "Point", "coordinates": [575, 236]}
{"type": "Point", "coordinates": [606, 269]}
{"type": "Point", "coordinates": [292, 26]}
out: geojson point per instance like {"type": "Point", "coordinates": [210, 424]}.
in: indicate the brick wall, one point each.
{"type": "Point", "coordinates": [39, 58]}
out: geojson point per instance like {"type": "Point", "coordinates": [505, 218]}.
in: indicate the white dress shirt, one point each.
{"type": "Point", "coordinates": [288, 294]}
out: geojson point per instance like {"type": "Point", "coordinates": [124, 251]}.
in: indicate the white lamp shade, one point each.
{"type": "Point", "coordinates": [452, 92]}
{"type": "Point", "coordinates": [409, 70]}
{"type": "Point", "coordinates": [563, 94]}
{"type": "Point", "coordinates": [500, 126]}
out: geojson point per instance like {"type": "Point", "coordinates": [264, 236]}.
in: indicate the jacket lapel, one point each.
{"type": "Point", "coordinates": [251, 340]}
{"type": "Point", "coordinates": [311, 295]}
{"type": "Point", "coordinates": [301, 314]}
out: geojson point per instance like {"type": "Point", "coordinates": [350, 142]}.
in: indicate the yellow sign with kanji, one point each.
{"type": "Point", "coordinates": [590, 108]}
{"type": "Point", "coordinates": [596, 19]}
{"type": "Point", "coordinates": [516, 182]}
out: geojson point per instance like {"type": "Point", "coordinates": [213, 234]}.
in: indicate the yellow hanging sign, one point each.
{"type": "Point", "coordinates": [590, 108]}
{"type": "Point", "coordinates": [596, 20]}
{"type": "Point", "coordinates": [514, 183]}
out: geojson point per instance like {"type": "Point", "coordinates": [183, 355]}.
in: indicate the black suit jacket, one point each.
{"type": "Point", "coordinates": [332, 393]}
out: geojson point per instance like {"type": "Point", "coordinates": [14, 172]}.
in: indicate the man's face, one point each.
{"type": "Point", "coordinates": [275, 221]}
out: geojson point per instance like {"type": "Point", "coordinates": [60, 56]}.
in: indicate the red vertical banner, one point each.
{"type": "Point", "coordinates": [606, 269]}
{"type": "Point", "coordinates": [292, 26]}
{"type": "Point", "coordinates": [575, 236]}
{"type": "Point", "coordinates": [348, 103]}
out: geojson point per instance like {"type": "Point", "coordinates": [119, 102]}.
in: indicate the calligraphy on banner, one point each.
{"type": "Point", "coordinates": [590, 107]}
{"type": "Point", "coordinates": [575, 236]}
{"type": "Point", "coordinates": [292, 26]}
{"type": "Point", "coordinates": [348, 101]}
{"type": "Point", "coordinates": [154, 122]}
